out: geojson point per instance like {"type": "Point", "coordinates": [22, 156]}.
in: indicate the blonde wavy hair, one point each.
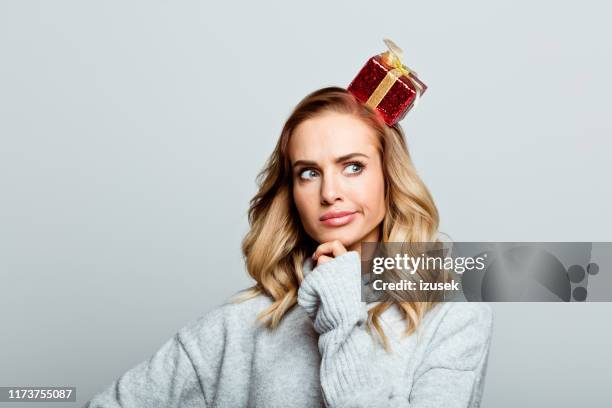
{"type": "Point", "coordinates": [276, 245]}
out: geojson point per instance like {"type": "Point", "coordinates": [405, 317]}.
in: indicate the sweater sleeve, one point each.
{"type": "Point", "coordinates": [331, 295]}
{"type": "Point", "coordinates": [450, 376]}
{"type": "Point", "coordinates": [167, 379]}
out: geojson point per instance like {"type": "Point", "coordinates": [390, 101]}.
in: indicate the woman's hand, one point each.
{"type": "Point", "coordinates": [331, 292]}
{"type": "Point", "coordinates": [328, 251]}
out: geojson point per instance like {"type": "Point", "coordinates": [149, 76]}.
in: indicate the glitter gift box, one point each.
{"type": "Point", "coordinates": [385, 84]}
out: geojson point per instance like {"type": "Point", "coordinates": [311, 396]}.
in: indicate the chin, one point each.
{"type": "Point", "coordinates": [347, 239]}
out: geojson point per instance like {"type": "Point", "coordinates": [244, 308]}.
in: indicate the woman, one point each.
{"type": "Point", "coordinates": [301, 337]}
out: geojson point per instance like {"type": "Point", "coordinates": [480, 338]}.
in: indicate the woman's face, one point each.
{"type": "Point", "coordinates": [338, 181]}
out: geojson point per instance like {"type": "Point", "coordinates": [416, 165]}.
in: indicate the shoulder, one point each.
{"type": "Point", "coordinates": [461, 314]}
{"type": "Point", "coordinates": [447, 316]}
{"type": "Point", "coordinates": [460, 332]}
{"type": "Point", "coordinates": [227, 316]}
{"type": "Point", "coordinates": [228, 320]}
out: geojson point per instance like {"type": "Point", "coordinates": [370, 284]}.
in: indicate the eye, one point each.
{"type": "Point", "coordinates": [354, 168]}
{"type": "Point", "coordinates": [307, 174]}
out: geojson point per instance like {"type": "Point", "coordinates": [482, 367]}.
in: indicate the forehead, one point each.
{"type": "Point", "coordinates": [331, 135]}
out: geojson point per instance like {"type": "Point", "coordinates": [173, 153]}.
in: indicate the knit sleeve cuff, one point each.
{"type": "Point", "coordinates": [331, 293]}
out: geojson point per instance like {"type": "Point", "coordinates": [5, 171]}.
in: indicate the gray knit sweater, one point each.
{"type": "Point", "coordinates": [320, 355]}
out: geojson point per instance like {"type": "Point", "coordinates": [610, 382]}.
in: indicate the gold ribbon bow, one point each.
{"type": "Point", "coordinates": [393, 58]}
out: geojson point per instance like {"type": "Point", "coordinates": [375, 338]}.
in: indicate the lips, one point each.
{"type": "Point", "coordinates": [337, 218]}
{"type": "Point", "coordinates": [335, 214]}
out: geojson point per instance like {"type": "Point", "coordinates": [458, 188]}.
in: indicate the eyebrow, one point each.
{"type": "Point", "coordinates": [338, 160]}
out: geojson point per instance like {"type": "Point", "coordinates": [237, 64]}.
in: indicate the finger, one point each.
{"type": "Point", "coordinates": [337, 248]}
{"type": "Point", "coordinates": [334, 248]}
{"type": "Point", "coordinates": [321, 249]}
{"type": "Point", "coordinates": [323, 259]}
{"type": "Point", "coordinates": [324, 248]}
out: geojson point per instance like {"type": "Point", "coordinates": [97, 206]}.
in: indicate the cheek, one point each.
{"type": "Point", "coordinates": [371, 193]}
{"type": "Point", "coordinates": [303, 202]}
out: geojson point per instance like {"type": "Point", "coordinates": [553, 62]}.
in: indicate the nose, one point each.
{"type": "Point", "coordinates": [330, 189]}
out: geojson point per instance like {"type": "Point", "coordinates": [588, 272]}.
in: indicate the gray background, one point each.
{"type": "Point", "coordinates": [131, 133]}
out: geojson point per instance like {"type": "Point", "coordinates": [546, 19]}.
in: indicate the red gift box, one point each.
{"type": "Point", "coordinates": [388, 86]}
